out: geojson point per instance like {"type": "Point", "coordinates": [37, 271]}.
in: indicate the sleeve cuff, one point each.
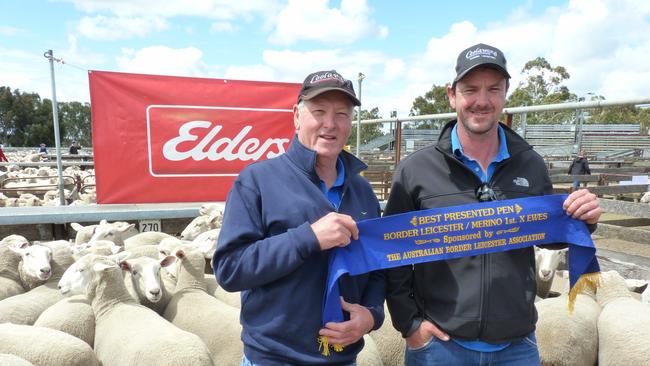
{"type": "Point", "coordinates": [414, 326]}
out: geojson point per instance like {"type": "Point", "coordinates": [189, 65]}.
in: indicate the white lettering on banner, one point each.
{"type": "Point", "coordinates": [231, 149]}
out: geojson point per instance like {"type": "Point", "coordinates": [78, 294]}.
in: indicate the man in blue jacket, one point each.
{"type": "Point", "coordinates": [282, 218]}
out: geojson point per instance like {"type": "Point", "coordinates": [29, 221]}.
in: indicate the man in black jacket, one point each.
{"type": "Point", "coordinates": [475, 309]}
{"type": "Point", "coordinates": [579, 166]}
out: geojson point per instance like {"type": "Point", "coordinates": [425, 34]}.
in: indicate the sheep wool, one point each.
{"type": "Point", "coordinates": [27, 307]}
{"type": "Point", "coordinates": [44, 346]}
{"type": "Point", "coordinates": [389, 341]}
{"type": "Point", "coordinates": [193, 310]}
{"type": "Point", "coordinates": [369, 355]}
{"type": "Point", "coordinates": [72, 315]}
{"type": "Point", "coordinates": [10, 283]}
{"type": "Point", "coordinates": [151, 339]}
{"type": "Point", "coordinates": [623, 325]}
{"type": "Point", "coordinates": [146, 238]}
{"type": "Point", "coordinates": [11, 360]}
{"type": "Point", "coordinates": [565, 338]}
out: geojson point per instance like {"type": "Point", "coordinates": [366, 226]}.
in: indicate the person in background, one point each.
{"type": "Point", "coordinates": [3, 157]}
{"type": "Point", "coordinates": [283, 216]}
{"type": "Point", "coordinates": [42, 148]}
{"type": "Point", "coordinates": [579, 166]}
{"type": "Point", "coordinates": [74, 148]}
{"type": "Point", "coordinates": [475, 310]}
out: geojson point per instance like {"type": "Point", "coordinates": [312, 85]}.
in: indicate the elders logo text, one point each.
{"type": "Point", "coordinates": [212, 141]}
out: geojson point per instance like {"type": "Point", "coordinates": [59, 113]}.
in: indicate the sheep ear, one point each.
{"type": "Point", "coordinates": [180, 253]}
{"type": "Point", "coordinates": [75, 226]}
{"type": "Point", "coordinates": [167, 261]}
{"type": "Point", "coordinates": [103, 222]}
{"type": "Point", "coordinates": [126, 228]}
{"type": "Point", "coordinates": [118, 257]}
{"type": "Point", "coordinates": [20, 250]}
{"type": "Point", "coordinates": [125, 266]}
{"type": "Point", "coordinates": [99, 267]}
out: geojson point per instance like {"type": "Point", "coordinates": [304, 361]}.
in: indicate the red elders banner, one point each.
{"type": "Point", "coordinates": [177, 139]}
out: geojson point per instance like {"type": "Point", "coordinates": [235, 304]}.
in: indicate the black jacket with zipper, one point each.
{"type": "Point", "coordinates": [486, 297]}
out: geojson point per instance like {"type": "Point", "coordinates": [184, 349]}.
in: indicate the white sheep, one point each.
{"type": "Point", "coordinates": [210, 208]}
{"type": "Point", "coordinates": [167, 247]}
{"type": "Point", "coordinates": [10, 283]}
{"type": "Point", "coordinates": [115, 232]}
{"type": "Point", "coordinates": [25, 308]}
{"type": "Point", "coordinates": [192, 309]}
{"type": "Point", "coordinates": [369, 355]}
{"type": "Point", "coordinates": [127, 333]}
{"type": "Point", "coordinates": [202, 224]}
{"type": "Point", "coordinates": [45, 347]}
{"type": "Point", "coordinates": [207, 242]}
{"type": "Point", "coordinates": [72, 315]}
{"type": "Point", "coordinates": [231, 298]}
{"type": "Point", "coordinates": [623, 326]}
{"type": "Point", "coordinates": [546, 263]}
{"type": "Point", "coordinates": [389, 341]}
{"type": "Point", "coordinates": [28, 200]}
{"type": "Point", "coordinates": [145, 283]}
{"type": "Point", "coordinates": [146, 238]}
{"type": "Point", "coordinates": [100, 247]}
{"type": "Point", "coordinates": [144, 251]}
{"type": "Point", "coordinates": [11, 360]}
{"type": "Point", "coordinates": [34, 268]}
{"type": "Point", "coordinates": [565, 338]}
{"type": "Point", "coordinates": [14, 241]}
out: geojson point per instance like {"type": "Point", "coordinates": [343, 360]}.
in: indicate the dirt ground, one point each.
{"type": "Point", "coordinates": [622, 246]}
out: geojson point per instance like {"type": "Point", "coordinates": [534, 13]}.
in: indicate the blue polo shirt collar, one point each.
{"type": "Point", "coordinates": [458, 151]}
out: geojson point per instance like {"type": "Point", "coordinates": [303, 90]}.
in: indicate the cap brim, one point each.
{"type": "Point", "coordinates": [485, 64]}
{"type": "Point", "coordinates": [314, 93]}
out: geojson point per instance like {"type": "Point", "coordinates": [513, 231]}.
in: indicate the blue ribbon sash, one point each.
{"type": "Point", "coordinates": [459, 231]}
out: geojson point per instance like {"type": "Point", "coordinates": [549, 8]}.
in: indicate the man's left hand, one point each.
{"type": "Point", "coordinates": [348, 332]}
{"type": "Point", "coordinates": [583, 205]}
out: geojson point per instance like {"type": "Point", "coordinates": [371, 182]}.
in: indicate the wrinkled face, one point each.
{"type": "Point", "coordinates": [324, 123]}
{"type": "Point", "coordinates": [478, 99]}
{"type": "Point", "coordinates": [36, 261]}
{"type": "Point", "coordinates": [76, 278]}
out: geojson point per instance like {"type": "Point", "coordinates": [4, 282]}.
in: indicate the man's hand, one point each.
{"type": "Point", "coordinates": [335, 230]}
{"type": "Point", "coordinates": [423, 334]}
{"type": "Point", "coordinates": [348, 332]}
{"type": "Point", "coordinates": [583, 205]}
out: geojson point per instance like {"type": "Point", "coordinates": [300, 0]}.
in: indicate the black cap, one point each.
{"type": "Point", "coordinates": [480, 55]}
{"type": "Point", "coordinates": [323, 81]}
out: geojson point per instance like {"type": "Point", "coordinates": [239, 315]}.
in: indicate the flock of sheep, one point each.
{"type": "Point", "coordinates": [39, 186]}
{"type": "Point", "coordinates": [118, 297]}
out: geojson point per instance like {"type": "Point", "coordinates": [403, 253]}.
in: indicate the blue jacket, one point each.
{"type": "Point", "coordinates": [268, 251]}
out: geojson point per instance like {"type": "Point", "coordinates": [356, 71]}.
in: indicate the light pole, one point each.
{"type": "Point", "coordinates": [55, 114]}
{"type": "Point", "coordinates": [360, 79]}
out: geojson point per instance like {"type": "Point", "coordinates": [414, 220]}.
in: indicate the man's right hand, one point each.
{"type": "Point", "coordinates": [423, 334]}
{"type": "Point", "coordinates": [335, 230]}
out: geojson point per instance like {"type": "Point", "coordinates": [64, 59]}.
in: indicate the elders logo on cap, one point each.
{"type": "Point", "coordinates": [320, 82]}
{"type": "Point", "coordinates": [480, 55]}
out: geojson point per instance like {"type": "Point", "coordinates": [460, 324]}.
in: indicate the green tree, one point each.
{"type": "Point", "coordinates": [369, 132]}
{"type": "Point", "coordinates": [75, 123]}
{"type": "Point", "coordinates": [619, 115]}
{"type": "Point", "coordinates": [434, 101]}
{"type": "Point", "coordinates": [542, 83]}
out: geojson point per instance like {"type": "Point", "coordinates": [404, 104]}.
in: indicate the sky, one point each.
{"type": "Point", "coordinates": [402, 47]}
